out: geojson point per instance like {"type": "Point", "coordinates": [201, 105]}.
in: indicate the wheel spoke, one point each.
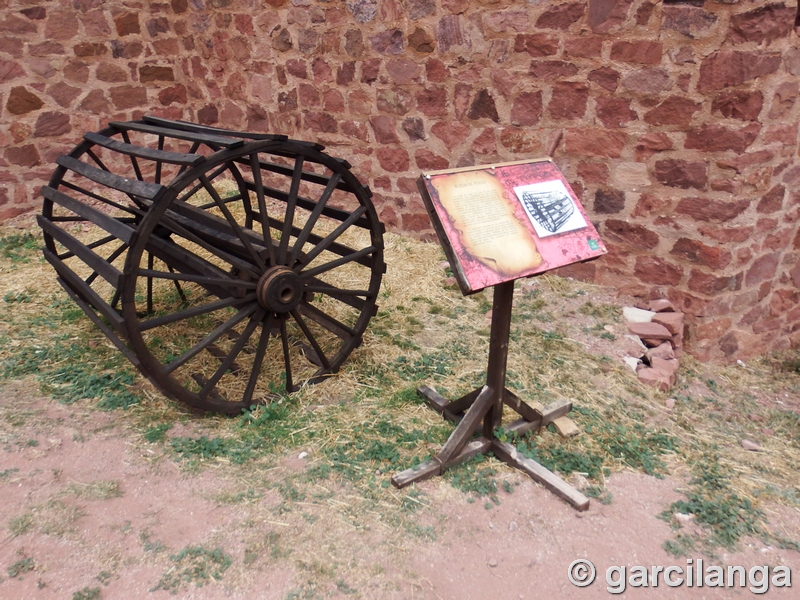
{"type": "Point", "coordinates": [328, 239]}
{"type": "Point", "coordinates": [234, 225]}
{"type": "Point", "coordinates": [95, 244]}
{"type": "Point", "coordinates": [310, 337]}
{"type": "Point", "coordinates": [328, 322]}
{"type": "Point", "coordinates": [258, 359]}
{"type": "Point", "coordinates": [211, 338]}
{"type": "Point", "coordinates": [291, 202]}
{"type": "Point", "coordinates": [312, 219]}
{"type": "Point", "coordinates": [334, 291]}
{"type": "Point", "coordinates": [158, 162]}
{"type": "Point", "coordinates": [195, 311]}
{"type": "Point", "coordinates": [193, 190]}
{"type": "Point", "coordinates": [192, 237]}
{"type": "Point", "coordinates": [350, 297]}
{"type": "Point", "coordinates": [201, 279]}
{"type": "Point", "coordinates": [237, 348]}
{"type": "Point", "coordinates": [150, 265]}
{"type": "Point", "coordinates": [287, 359]}
{"type": "Point", "coordinates": [97, 160]}
{"type": "Point", "coordinates": [337, 263]}
{"type": "Point", "coordinates": [262, 207]}
{"type": "Point", "coordinates": [135, 163]}
{"type": "Point", "coordinates": [192, 150]}
{"type": "Point", "coordinates": [111, 258]}
{"type": "Point", "coordinates": [178, 286]}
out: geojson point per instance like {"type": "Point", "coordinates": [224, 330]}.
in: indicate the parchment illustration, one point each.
{"type": "Point", "coordinates": [550, 208]}
{"type": "Point", "coordinates": [491, 233]}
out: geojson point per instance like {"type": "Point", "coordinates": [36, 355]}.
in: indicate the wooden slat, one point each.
{"type": "Point", "coordinates": [133, 187]}
{"type": "Point", "coordinates": [192, 136]}
{"type": "Point", "coordinates": [233, 224]}
{"type": "Point", "coordinates": [213, 228]}
{"type": "Point", "coordinates": [101, 325]}
{"type": "Point", "coordinates": [97, 263]}
{"type": "Point", "coordinates": [94, 244]}
{"type": "Point", "coordinates": [196, 128]}
{"type": "Point", "coordinates": [176, 276]}
{"type": "Point", "coordinates": [113, 226]}
{"type": "Point", "coordinates": [187, 262]}
{"type": "Point", "coordinates": [174, 158]}
{"type": "Point", "coordinates": [86, 292]}
{"type": "Point", "coordinates": [133, 210]}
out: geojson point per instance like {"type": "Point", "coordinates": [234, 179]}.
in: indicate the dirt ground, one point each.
{"type": "Point", "coordinates": [91, 511]}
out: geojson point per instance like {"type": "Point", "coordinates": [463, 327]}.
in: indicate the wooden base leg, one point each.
{"type": "Point", "coordinates": [511, 456]}
{"type": "Point", "coordinates": [457, 450]}
{"type": "Point", "coordinates": [431, 468]}
{"type": "Point", "coordinates": [453, 451]}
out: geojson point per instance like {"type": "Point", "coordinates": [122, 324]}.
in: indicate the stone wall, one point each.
{"type": "Point", "coordinates": [676, 121]}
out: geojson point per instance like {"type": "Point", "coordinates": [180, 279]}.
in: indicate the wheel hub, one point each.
{"type": "Point", "coordinates": [279, 289]}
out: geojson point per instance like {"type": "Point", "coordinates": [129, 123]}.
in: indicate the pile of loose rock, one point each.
{"type": "Point", "coordinates": [655, 342]}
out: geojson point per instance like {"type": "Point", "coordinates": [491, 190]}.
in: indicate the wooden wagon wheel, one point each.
{"type": "Point", "coordinates": [233, 266]}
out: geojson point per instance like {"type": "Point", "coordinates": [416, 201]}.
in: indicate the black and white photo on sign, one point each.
{"type": "Point", "coordinates": [550, 208]}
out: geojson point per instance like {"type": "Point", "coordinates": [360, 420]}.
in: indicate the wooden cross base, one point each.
{"type": "Point", "coordinates": [483, 407]}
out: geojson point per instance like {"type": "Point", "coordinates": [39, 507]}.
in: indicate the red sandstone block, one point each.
{"type": "Point", "coordinates": [716, 138]}
{"type": "Point", "coordinates": [663, 351]}
{"type": "Point", "coordinates": [701, 254]}
{"type": "Point", "coordinates": [682, 173]}
{"type": "Point", "coordinates": [636, 235]}
{"type": "Point", "coordinates": [669, 365]}
{"type": "Point", "coordinates": [671, 320]}
{"type": "Point", "coordinates": [637, 51]}
{"type": "Point", "coordinates": [660, 305]}
{"type": "Point", "coordinates": [663, 380]}
{"type": "Point", "coordinates": [651, 269]}
{"type": "Point", "coordinates": [652, 331]}
{"type": "Point", "coordinates": [729, 68]}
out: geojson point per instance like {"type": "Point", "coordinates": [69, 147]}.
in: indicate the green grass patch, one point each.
{"type": "Point", "coordinates": [724, 514]}
{"type": "Point", "coordinates": [21, 566]}
{"type": "Point", "coordinates": [194, 565]}
{"type": "Point", "coordinates": [87, 593]}
{"type": "Point", "coordinates": [19, 247]}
